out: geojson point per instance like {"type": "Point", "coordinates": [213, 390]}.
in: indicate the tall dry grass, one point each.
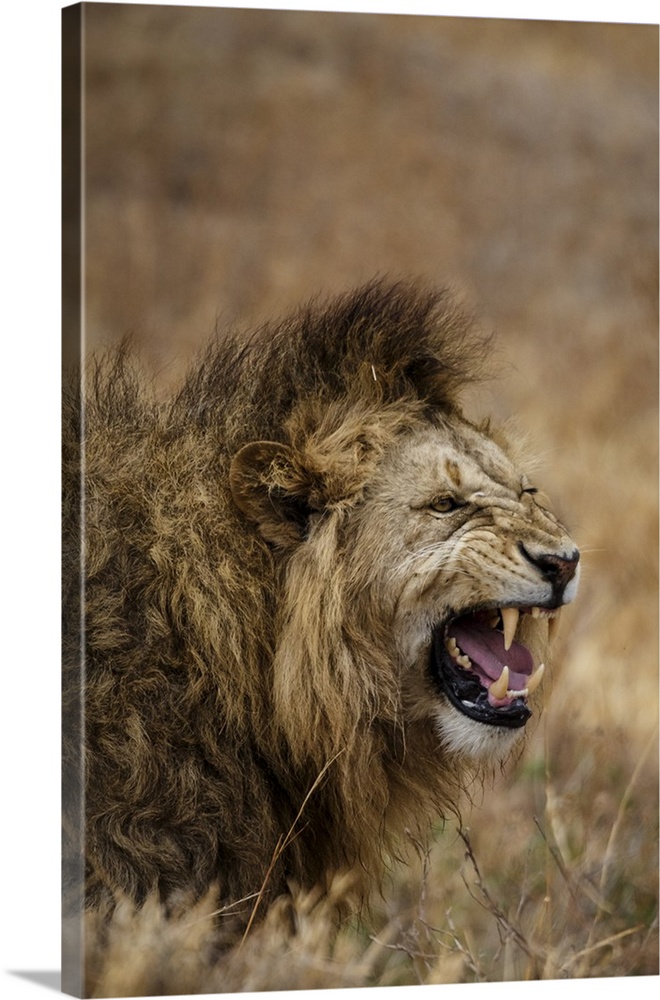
{"type": "Point", "coordinates": [553, 879]}
{"type": "Point", "coordinates": [239, 161]}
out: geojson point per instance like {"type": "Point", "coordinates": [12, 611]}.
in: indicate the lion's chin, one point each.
{"type": "Point", "coordinates": [477, 741]}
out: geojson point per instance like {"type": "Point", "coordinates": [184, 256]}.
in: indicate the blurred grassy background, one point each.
{"type": "Point", "coordinates": [238, 161]}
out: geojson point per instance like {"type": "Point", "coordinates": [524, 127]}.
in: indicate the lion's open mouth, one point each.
{"type": "Point", "coordinates": [487, 674]}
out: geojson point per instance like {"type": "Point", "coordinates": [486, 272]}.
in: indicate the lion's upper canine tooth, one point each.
{"type": "Point", "coordinates": [553, 626]}
{"type": "Point", "coordinates": [535, 679]}
{"type": "Point", "coordinates": [510, 618]}
{"type": "Point", "coordinates": [499, 687]}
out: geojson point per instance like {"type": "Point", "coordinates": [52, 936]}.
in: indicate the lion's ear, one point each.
{"type": "Point", "coordinates": [268, 487]}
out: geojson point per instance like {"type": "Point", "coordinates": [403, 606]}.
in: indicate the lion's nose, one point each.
{"type": "Point", "coordinates": [557, 570]}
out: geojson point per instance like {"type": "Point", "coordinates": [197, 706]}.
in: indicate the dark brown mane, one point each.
{"type": "Point", "coordinates": [382, 342]}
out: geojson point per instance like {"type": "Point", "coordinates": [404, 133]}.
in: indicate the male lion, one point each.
{"type": "Point", "coordinates": [310, 594]}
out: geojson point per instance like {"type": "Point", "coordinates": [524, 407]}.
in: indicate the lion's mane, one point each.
{"type": "Point", "coordinates": [234, 692]}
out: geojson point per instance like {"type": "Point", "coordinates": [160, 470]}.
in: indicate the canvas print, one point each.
{"type": "Point", "coordinates": [360, 500]}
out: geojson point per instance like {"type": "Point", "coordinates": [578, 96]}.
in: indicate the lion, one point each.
{"type": "Point", "coordinates": [315, 599]}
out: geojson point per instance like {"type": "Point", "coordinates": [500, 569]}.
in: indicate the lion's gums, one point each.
{"type": "Point", "coordinates": [298, 152]}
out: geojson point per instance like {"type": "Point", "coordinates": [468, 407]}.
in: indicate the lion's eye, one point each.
{"type": "Point", "coordinates": [444, 505]}
{"type": "Point", "coordinates": [530, 489]}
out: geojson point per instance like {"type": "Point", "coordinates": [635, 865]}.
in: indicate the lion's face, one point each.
{"type": "Point", "coordinates": [465, 559]}
{"type": "Point", "coordinates": [422, 590]}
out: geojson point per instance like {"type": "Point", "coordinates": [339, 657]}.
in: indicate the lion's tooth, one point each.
{"type": "Point", "coordinates": [454, 651]}
{"type": "Point", "coordinates": [553, 626]}
{"type": "Point", "coordinates": [510, 618]}
{"type": "Point", "coordinates": [499, 687]}
{"type": "Point", "coordinates": [536, 678]}
{"type": "Point", "coordinates": [535, 612]}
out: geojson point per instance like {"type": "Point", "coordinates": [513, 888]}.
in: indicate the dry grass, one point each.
{"type": "Point", "coordinates": [555, 887]}
{"type": "Point", "coordinates": [554, 881]}
{"type": "Point", "coordinates": [239, 161]}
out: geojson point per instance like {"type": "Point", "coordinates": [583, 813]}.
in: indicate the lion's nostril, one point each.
{"type": "Point", "coordinates": [557, 570]}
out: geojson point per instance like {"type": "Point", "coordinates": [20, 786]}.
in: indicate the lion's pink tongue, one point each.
{"type": "Point", "coordinates": [485, 647]}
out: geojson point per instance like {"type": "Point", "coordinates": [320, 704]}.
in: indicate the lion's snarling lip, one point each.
{"type": "Point", "coordinates": [487, 674]}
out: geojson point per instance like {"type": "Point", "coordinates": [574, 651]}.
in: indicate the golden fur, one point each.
{"type": "Point", "coordinates": [266, 557]}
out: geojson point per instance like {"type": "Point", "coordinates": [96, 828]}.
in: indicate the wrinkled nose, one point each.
{"type": "Point", "coordinates": [557, 570]}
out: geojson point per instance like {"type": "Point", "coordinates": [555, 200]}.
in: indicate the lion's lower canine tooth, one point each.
{"type": "Point", "coordinates": [510, 618]}
{"type": "Point", "coordinates": [499, 687]}
{"type": "Point", "coordinates": [536, 678]}
{"type": "Point", "coordinates": [553, 626]}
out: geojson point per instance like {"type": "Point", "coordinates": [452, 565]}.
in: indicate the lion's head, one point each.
{"type": "Point", "coordinates": [418, 580]}
{"type": "Point", "coordinates": [315, 594]}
